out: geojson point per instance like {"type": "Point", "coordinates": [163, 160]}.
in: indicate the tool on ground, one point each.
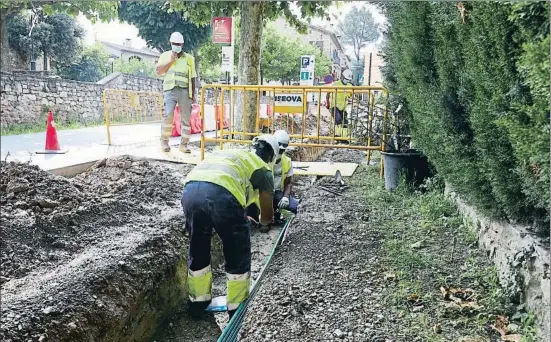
{"type": "Point", "coordinates": [329, 190]}
{"type": "Point", "coordinates": [218, 304]}
{"type": "Point", "coordinates": [339, 178]}
{"type": "Point", "coordinates": [52, 145]}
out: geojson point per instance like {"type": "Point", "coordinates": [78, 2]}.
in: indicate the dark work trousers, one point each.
{"type": "Point", "coordinates": [207, 206]}
{"type": "Point", "coordinates": [340, 116]}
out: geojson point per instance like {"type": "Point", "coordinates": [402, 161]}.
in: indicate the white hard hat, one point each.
{"type": "Point", "coordinates": [177, 37]}
{"type": "Point", "coordinates": [271, 141]}
{"type": "Point", "coordinates": [282, 137]}
{"type": "Point", "coordinates": [347, 75]}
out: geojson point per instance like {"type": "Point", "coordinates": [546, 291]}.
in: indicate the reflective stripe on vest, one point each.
{"type": "Point", "coordinates": [232, 170]}
{"type": "Point", "coordinates": [340, 103]}
{"type": "Point", "coordinates": [179, 74]}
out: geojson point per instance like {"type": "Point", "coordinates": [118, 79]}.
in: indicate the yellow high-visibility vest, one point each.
{"type": "Point", "coordinates": [180, 72]}
{"type": "Point", "coordinates": [285, 167]}
{"type": "Point", "coordinates": [342, 96]}
{"type": "Point", "coordinates": [232, 170]}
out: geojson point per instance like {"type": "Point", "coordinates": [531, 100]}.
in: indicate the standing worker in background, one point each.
{"type": "Point", "coordinates": [216, 193]}
{"type": "Point", "coordinates": [337, 105]}
{"type": "Point", "coordinates": [179, 73]}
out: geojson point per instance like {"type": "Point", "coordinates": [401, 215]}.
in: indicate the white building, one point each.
{"type": "Point", "coordinates": [127, 52]}
{"type": "Point", "coordinates": [324, 38]}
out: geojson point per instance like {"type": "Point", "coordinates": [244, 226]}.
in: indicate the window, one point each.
{"type": "Point", "coordinates": [134, 57]}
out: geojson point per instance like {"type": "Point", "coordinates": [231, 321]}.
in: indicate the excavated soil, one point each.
{"type": "Point", "coordinates": [86, 258]}
{"type": "Point", "coordinates": [80, 255]}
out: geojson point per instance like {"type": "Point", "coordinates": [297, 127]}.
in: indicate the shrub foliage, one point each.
{"type": "Point", "coordinates": [477, 94]}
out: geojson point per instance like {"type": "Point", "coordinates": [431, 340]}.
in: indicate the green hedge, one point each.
{"type": "Point", "coordinates": [477, 94]}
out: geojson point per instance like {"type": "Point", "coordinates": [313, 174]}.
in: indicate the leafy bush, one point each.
{"type": "Point", "coordinates": [90, 66]}
{"type": "Point", "coordinates": [477, 95]}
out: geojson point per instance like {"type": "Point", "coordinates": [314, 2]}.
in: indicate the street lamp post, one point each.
{"type": "Point", "coordinates": [111, 60]}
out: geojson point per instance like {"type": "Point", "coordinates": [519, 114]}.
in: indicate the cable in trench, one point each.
{"type": "Point", "coordinates": [232, 329]}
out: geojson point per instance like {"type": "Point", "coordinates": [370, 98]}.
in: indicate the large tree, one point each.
{"type": "Point", "coordinates": [94, 10]}
{"type": "Point", "coordinates": [253, 16]}
{"type": "Point", "coordinates": [156, 21]}
{"type": "Point", "coordinates": [358, 29]}
{"type": "Point", "coordinates": [57, 36]}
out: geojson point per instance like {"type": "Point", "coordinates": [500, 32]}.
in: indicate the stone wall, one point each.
{"type": "Point", "coordinates": [521, 259]}
{"type": "Point", "coordinates": [26, 96]}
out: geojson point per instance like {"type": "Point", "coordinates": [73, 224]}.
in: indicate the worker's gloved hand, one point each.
{"type": "Point", "coordinates": [284, 203]}
{"type": "Point", "coordinates": [253, 222]}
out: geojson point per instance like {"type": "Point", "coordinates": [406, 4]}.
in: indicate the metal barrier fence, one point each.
{"type": "Point", "coordinates": [299, 111]}
{"type": "Point", "coordinates": [127, 107]}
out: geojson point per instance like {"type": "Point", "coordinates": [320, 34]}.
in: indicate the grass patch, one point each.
{"type": "Point", "coordinates": [17, 129]}
{"type": "Point", "coordinates": [442, 287]}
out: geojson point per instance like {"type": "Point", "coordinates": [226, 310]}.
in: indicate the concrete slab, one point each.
{"type": "Point", "coordinates": [324, 168]}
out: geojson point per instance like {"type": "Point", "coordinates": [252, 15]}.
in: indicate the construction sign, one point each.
{"type": "Point", "coordinates": [288, 103]}
{"type": "Point", "coordinates": [221, 30]}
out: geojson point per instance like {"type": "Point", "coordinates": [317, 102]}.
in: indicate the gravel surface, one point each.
{"type": "Point", "coordinates": [315, 288]}
{"type": "Point", "coordinates": [80, 254]}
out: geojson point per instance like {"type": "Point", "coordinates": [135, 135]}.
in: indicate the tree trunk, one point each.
{"type": "Point", "coordinates": [250, 42]}
{"type": "Point", "coordinates": [197, 62]}
{"type": "Point", "coordinates": [5, 57]}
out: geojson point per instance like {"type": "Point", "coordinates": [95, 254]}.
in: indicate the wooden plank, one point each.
{"type": "Point", "coordinates": [324, 168]}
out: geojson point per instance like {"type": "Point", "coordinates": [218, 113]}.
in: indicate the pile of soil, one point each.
{"type": "Point", "coordinates": [78, 254]}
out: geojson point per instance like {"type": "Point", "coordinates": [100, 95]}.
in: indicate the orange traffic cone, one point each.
{"type": "Point", "coordinates": [52, 145]}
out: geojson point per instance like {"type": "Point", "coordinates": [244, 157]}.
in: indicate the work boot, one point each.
{"type": "Point", "coordinates": [183, 146]}
{"type": "Point", "coordinates": [264, 228]}
{"type": "Point", "coordinates": [184, 149]}
{"type": "Point", "coordinates": [164, 146]}
{"type": "Point", "coordinates": [197, 309]}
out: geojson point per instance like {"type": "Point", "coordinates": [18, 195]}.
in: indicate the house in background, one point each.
{"type": "Point", "coordinates": [127, 52]}
{"type": "Point", "coordinates": [322, 37]}
{"type": "Point", "coordinates": [377, 62]}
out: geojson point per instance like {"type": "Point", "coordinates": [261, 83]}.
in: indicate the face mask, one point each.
{"type": "Point", "coordinates": [345, 81]}
{"type": "Point", "coordinates": [176, 48]}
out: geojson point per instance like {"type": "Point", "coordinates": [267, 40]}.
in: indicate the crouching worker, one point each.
{"type": "Point", "coordinates": [216, 193]}
{"type": "Point", "coordinates": [283, 178]}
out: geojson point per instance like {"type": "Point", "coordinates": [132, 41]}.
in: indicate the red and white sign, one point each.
{"type": "Point", "coordinates": [221, 30]}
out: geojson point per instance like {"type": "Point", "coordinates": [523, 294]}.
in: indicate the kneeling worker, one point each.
{"type": "Point", "coordinates": [216, 193]}
{"type": "Point", "coordinates": [283, 177]}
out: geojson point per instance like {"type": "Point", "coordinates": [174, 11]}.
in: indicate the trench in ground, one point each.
{"type": "Point", "coordinates": [180, 327]}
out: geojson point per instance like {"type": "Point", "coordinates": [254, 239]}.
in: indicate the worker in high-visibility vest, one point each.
{"type": "Point", "coordinates": [179, 73]}
{"type": "Point", "coordinates": [283, 180]}
{"type": "Point", "coordinates": [216, 193]}
{"type": "Point", "coordinates": [337, 105]}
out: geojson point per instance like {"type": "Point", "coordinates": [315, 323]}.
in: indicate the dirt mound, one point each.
{"type": "Point", "coordinates": [80, 254]}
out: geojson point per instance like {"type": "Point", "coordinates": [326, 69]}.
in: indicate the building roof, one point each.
{"type": "Point", "coordinates": [143, 51]}
{"type": "Point", "coordinates": [329, 33]}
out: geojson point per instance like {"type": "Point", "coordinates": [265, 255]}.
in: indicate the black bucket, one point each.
{"type": "Point", "coordinates": [412, 164]}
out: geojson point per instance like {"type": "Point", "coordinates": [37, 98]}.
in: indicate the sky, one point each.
{"type": "Point", "coordinates": [116, 32]}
